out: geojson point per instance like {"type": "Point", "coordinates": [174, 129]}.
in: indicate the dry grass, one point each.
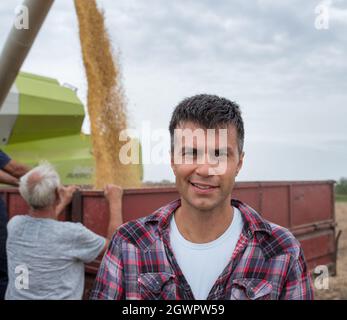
{"type": "Point", "coordinates": [338, 285]}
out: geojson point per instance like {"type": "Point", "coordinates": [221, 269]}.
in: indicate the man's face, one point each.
{"type": "Point", "coordinates": [204, 185]}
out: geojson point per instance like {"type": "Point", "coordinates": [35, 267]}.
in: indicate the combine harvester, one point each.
{"type": "Point", "coordinates": [40, 119]}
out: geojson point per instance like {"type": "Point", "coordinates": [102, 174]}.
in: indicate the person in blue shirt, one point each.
{"type": "Point", "coordinates": [10, 172]}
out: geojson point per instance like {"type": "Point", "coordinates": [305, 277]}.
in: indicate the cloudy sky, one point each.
{"type": "Point", "coordinates": [284, 62]}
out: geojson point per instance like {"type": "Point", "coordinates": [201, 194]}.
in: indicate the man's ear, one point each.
{"type": "Point", "coordinates": [57, 195]}
{"type": "Point", "coordinates": [240, 164]}
{"type": "Point", "coordinates": [172, 162]}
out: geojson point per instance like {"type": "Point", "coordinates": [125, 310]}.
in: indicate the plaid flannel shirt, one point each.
{"type": "Point", "coordinates": [267, 263]}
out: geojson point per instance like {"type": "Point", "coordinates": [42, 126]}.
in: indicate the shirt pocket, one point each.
{"type": "Point", "coordinates": [250, 289]}
{"type": "Point", "coordinates": [157, 286]}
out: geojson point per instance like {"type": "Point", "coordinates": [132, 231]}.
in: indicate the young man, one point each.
{"type": "Point", "coordinates": [10, 171]}
{"type": "Point", "coordinates": [204, 245]}
{"type": "Point", "coordinates": [46, 257]}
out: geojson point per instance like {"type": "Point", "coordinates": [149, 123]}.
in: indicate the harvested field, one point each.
{"type": "Point", "coordinates": [338, 284]}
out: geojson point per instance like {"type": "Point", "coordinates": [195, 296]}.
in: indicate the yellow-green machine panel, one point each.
{"type": "Point", "coordinates": [43, 122]}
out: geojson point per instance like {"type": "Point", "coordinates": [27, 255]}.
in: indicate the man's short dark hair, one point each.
{"type": "Point", "coordinates": [209, 111]}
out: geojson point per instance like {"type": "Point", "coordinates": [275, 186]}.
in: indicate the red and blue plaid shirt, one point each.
{"type": "Point", "coordinates": [267, 263]}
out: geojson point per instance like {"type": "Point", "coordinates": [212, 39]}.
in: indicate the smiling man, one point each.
{"type": "Point", "coordinates": [204, 245]}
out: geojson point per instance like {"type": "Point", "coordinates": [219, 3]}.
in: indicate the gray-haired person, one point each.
{"type": "Point", "coordinates": [45, 256]}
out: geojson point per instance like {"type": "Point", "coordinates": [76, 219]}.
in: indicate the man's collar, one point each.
{"type": "Point", "coordinates": [162, 215]}
{"type": "Point", "coordinates": [252, 218]}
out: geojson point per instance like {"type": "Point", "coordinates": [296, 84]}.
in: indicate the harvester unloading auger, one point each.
{"type": "Point", "coordinates": [18, 44]}
{"type": "Point", "coordinates": [39, 118]}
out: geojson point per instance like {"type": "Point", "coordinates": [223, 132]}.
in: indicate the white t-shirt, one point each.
{"type": "Point", "coordinates": [202, 263]}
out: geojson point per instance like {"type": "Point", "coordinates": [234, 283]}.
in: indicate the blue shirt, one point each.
{"type": "Point", "coordinates": [4, 159]}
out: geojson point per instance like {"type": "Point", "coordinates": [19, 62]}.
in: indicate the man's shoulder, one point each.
{"type": "Point", "coordinates": [281, 241]}
{"type": "Point", "coordinates": [57, 226]}
{"type": "Point", "coordinates": [144, 231]}
{"type": "Point", "coordinates": [272, 238]}
{"type": "Point", "coordinates": [16, 220]}
{"type": "Point", "coordinates": [140, 232]}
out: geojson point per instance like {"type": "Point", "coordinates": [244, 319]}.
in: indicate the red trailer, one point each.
{"type": "Point", "coordinates": [306, 208]}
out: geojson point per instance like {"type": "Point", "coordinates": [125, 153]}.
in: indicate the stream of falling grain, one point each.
{"type": "Point", "coordinates": [106, 106]}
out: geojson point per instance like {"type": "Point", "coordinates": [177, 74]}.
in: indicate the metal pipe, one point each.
{"type": "Point", "coordinates": [18, 44]}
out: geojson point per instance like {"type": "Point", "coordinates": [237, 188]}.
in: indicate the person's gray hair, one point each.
{"type": "Point", "coordinates": [38, 186]}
